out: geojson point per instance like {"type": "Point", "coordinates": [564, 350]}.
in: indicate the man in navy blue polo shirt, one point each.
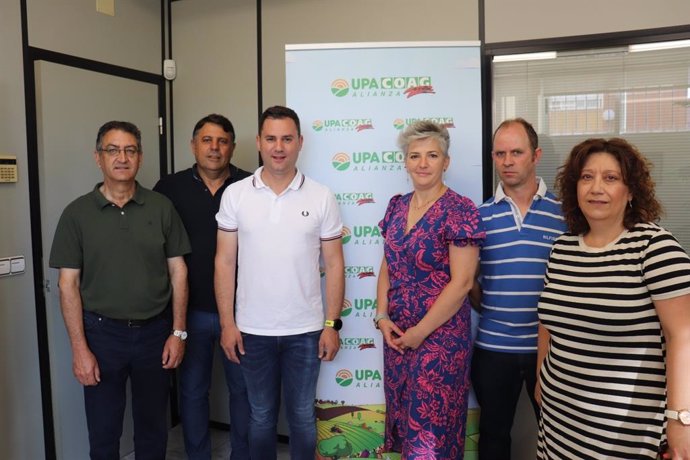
{"type": "Point", "coordinates": [196, 194]}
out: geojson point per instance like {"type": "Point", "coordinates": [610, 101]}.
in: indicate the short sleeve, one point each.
{"type": "Point", "coordinates": [176, 238]}
{"type": "Point", "coordinates": [67, 250]}
{"type": "Point", "coordinates": [463, 226]}
{"type": "Point", "coordinates": [227, 215]}
{"type": "Point", "coordinates": [331, 224]}
{"type": "Point", "coordinates": [385, 222]}
{"type": "Point", "coordinates": [666, 267]}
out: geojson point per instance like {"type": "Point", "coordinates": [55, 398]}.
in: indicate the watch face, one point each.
{"type": "Point", "coordinates": [684, 417]}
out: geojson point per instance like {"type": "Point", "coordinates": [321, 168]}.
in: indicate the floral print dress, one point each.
{"type": "Point", "coordinates": [427, 389]}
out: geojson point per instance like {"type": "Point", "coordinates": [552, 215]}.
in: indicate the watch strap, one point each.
{"type": "Point", "coordinates": [336, 324]}
{"type": "Point", "coordinates": [682, 415]}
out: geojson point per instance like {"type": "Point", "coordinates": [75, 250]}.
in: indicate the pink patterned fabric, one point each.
{"type": "Point", "coordinates": [426, 389]}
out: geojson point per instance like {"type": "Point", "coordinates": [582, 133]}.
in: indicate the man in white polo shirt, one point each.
{"type": "Point", "coordinates": [275, 225]}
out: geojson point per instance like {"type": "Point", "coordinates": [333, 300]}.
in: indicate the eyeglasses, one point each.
{"type": "Point", "coordinates": [114, 151]}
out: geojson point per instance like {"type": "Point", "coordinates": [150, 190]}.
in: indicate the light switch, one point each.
{"type": "Point", "coordinates": [17, 265]}
{"type": "Point", "coordinates": [4, 267]}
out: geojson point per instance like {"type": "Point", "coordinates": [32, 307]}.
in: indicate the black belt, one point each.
{"type": "Point", "coordinates": [134, 322]}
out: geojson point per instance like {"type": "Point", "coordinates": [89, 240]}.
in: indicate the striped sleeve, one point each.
{"type": "Point", "coordinates": [666, 267]}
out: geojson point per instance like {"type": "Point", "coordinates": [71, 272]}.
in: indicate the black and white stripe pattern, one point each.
{"type": "Point", "coordinates": [604, 378]}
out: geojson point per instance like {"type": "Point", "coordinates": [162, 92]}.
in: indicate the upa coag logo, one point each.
{"type": "Point", "coordinates": [360, 308]}
{"type": "Point", "coordinates": [365, 307]}
{"type": "Point", "coordinates": [377, 161]}
{"type": "Point", "coordinates": [354, 198]}
{"type": "Point", "coordinates": [347, 234]}
{"type": "Point", "coordinates": [357, 343]}
{"type": "Point", "coordinates": [359, 271]}
{"type": "Point", "coordinates": [369, 161]}
{"type": "Point", "coordinates": [341, 161]}
{"type": "Point", "coordinates": [366, 235]}
{"type": "Point", "coordinates": [347, 308]}
{"type": "Point", "coordinates": [344, 378]}
{"type": "Point", "coordinates": [447, 122]}
{"type": "Point", "coordinates": [362, 378]}
{"type": "Point", "coordinates": [386, 86]}
{"type": "Point", "coordinates": [343, 125]}
{"type": "Point", "coordinates": [340, 87]}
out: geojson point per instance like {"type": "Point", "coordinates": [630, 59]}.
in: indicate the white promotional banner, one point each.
{"type": "Point", "coordinates": [353, 101]}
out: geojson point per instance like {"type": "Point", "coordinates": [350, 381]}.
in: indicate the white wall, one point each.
{"type": "Point", "coordinates": [318, 21]}
{"type": "Point", "coordinates": [21, 435]}
{"type": "Point", "coordinates": [214, 46]}
{"type": "Point", "coordinates": [508, 20]}
{"type": "Point", "coordinates": [130, 39]}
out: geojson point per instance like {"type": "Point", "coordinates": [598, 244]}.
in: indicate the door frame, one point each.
{"type": "Point", "coordinates": [30, 56]}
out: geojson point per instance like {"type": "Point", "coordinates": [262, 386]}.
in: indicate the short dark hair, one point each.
{"type": "Point", "coordinates": [215, 119]}
{"type": "Point", "coordinates": [278, 112]}
{"type": "Point", "coordinates": [529, 129]}
{"type": "Point", "coordinates": [113, 125]}
{"type": "Point", "coordinates": [635, 169]}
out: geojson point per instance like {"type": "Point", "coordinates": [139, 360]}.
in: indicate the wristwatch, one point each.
{"type": "Point", "coordinates": [336, 324]}
{"type": "Point", "coordinates": [182, 335]}
{"type": "Point", "coordinates": [379, 317]}
{"type": "Point", "coordinates": [683, 416]}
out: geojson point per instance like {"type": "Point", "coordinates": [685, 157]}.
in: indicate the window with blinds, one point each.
{"type": "Point", "coordinates": [643, 97]}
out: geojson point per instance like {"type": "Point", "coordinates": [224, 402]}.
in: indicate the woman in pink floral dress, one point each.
{"type": "Point", "coordinates": [432, 239]}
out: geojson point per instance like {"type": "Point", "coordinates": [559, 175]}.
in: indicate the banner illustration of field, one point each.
{"type": "Point", "coordinates": [346, 431]}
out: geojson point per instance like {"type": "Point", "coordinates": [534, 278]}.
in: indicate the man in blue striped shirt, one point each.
{"type": "Point", "coordinates": [522, 221]}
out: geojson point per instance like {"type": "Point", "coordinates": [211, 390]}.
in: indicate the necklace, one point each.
{"type": "Point", "coordinates": [427, 203]}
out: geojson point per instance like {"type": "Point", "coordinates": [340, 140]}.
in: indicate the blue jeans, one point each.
{"type": "Point", "coordinates": [123, 353]}
{"type": "Point", "coordinates": [293, 361]}
{"type": "Point", "coordinates": [195, 381]}
{"type": "Point", "coordinates": [497, 379]}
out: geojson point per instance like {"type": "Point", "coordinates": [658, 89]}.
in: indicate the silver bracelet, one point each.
{"type": "Point", "coordinates": [379, 317]}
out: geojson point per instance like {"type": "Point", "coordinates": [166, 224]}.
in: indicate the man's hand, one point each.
{"type": "Point", "coordinates": [329, 344]}
{"type": "Point", "coordinates": [85, 367]}
{"type": "Point", "coordinates": [173, 352]}
{"type": "Point", "coordinates": [231, 341]}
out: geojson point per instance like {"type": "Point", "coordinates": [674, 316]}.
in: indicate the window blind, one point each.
{"type": "Point", "coordinates": [643, 97]}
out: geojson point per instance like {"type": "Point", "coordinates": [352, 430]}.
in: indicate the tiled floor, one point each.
{"type": "Point", "coordinates": [219, 441]}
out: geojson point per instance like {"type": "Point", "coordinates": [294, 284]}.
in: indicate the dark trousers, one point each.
{"type": "Point", "coordinates": [292, 362]}
{"type": "Point", "coordinates": [123, 353]}
{"type": "Point", "coordinates": [497, 379]}
{"type": "Point", "coordinates": [195, 381]}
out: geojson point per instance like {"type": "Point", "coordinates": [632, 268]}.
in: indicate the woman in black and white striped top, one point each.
{"type": "Point", "coordinates": [614, 333]}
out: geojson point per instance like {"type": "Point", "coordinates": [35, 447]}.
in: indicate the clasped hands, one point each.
{"type": "Point", "coordinates": [398, 339]}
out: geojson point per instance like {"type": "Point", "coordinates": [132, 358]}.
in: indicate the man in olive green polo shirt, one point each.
{"type": "Point", "coordinates": [120, 253]}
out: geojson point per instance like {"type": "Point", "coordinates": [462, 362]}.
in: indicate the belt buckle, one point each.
{"type": "Point", "coordinates": [133, 323]}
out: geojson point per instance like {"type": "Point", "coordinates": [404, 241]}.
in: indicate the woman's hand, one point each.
{"type": "Point", "coordinates": [537, 393]}
{"type": "Point", "coordinates": [411, 338]}
{"type": "Point", "coordinates": [390, 332]}
{"type": "Point", "coordinates": [678, 441]}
